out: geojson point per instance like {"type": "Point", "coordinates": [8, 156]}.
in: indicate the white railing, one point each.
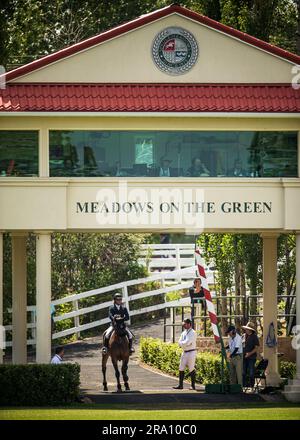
{"type": "Point", "coordinates": [173, 256]}
{"type": "Point", "coordinates": [78, 311]}
{"type": "Point", "coordinates": [160, 257]}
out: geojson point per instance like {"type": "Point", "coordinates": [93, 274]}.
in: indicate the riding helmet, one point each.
{"type": "Point", "coordinates": [117, 295]}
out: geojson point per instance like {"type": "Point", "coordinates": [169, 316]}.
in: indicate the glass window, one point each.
{"type": "Point", "coordinates": [173, 153]}
{"type": "Point", "coordinates": [19, 153]}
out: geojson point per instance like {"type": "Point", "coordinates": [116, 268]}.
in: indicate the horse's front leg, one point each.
{"type": "Point", "coordinates": [124, 373]}
{"type": "Point", "coordinates": [117, 373]}
{"type": "Point", "coordinates": [104, 362]}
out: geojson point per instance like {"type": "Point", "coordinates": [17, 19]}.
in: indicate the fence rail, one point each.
{"type": "Point", "coordinates": [172, 256]}
{"type": "Point", "coordinates": [180, 258]}
{"type": "Point", "coordinates": [78, 311]}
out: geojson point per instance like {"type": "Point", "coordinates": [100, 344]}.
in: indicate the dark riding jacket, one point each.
{"type": "Point", "coordinates": [123, 312]}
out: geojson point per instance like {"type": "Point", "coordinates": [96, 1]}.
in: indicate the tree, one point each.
{"type": "Point", "coordinates": [298, 27]}
{"type": "Point", "coordinates": [251, 245]}
{"type": "Point", "coordinates": [79, 262]}
{"type": "Point", "coordinates": [30, 29]}
{"type": "Point", "coordinates": [219, 249]}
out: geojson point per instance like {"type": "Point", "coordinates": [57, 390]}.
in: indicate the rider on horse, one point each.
{"type": "Point", "coordinates": [114, 311]}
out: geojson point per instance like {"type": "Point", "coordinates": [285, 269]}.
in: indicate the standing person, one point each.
{"type": "Point", "coordinates": [187, 342]}
{"type": "Point", "coordinates": [117, 309]}
{"type": "Point", "coordinates": [235, 355]}
{"type": "Point", "coordinates": [58, 357]}
{"type": "Point", "coordinates": [250, 353]}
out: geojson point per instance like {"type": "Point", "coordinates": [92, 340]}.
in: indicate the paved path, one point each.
{"type": "Point", "coordinates": [148, 387]}
{"type": "Point", "coordinates": [88, 354]}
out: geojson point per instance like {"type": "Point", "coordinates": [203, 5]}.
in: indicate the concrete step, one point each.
{"type": "Point", "coordinates": [294, 382]}
{"type": "Point", "coordinates": [292, 388]}
{"type": "Point", "coordinates": [292, 396]}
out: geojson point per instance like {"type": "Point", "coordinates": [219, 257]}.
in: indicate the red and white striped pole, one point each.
{"type": "Point", "coordinates": [210, 306]}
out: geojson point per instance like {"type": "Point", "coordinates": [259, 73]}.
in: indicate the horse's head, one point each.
{"type": "Point", "coordinates": [119, 326]}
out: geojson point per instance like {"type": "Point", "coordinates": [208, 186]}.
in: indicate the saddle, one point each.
{"type": "Point", "coordinates": [115, 328]}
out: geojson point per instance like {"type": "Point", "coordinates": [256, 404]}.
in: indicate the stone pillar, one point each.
{"type": "Point", "coordinates": [1, 297]}
{"type": "Point", "coordinates": [270, 304]}
{"type": "Point", "coordinates": [43, 297]}
{"type": "Point", "coordinates": [19, 298]}
{"type": "Point", "coordinates": [292, 390]}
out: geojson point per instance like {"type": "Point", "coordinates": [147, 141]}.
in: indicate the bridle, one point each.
{"type": "Point", "coordinates": [119, 326]}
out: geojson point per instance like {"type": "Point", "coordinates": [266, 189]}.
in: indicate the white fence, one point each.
{"type": "Point", "coordinates": [161, 257]}
{"type": "Point", "coordinates": [173, 256]}
{"type": "Point", "coordinates": [78, 311]}
{"type": "Point", "coordinates": [172, 266]}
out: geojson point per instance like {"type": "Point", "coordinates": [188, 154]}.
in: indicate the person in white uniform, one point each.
{"type": "Point", "coordinates": [187, 342]}
{"type": "Point", "coordinates": [235, 355]}
{"type": "Point", "coordinates": [58, 357]}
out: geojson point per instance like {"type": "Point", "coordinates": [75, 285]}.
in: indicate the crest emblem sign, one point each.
{"type": "Point", "coordinates": [175, 50]}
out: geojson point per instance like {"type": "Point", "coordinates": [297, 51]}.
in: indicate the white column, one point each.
{"type": "Point", "coordinates": [292, 390]}
{"type": "Point", "coordinates": [1, 294]}
{"type": "Point", "coordinates": [298, 302]}
{"type": "Point", "coordinates": [298, 153]}
{"type": "Point", "coordinates": [270, 304]}
{"type": "Point", "coordinates": [43, 297]}
{"type": "Point", "coordinates": [19, 298]}
{"type": "Point", "coordinates": [44, 152]}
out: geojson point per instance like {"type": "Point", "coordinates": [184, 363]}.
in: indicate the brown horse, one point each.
{"type": "Point", "coordinates": [118, 351]}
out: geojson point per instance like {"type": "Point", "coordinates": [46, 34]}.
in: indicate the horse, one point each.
{"type": "Point", "coordinates": [118, 351]}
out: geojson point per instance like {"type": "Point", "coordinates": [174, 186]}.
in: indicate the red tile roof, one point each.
{"type": "Point", "coordinates": [141, 21]}
{"type": "Point", "coordinates": [149, 98]}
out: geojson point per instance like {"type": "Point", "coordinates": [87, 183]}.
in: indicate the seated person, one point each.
{"type": "Point", "coordinates": [164, 170]}
{"type": "Point", "coordinates": [117, 310]}
{"type": "Point", "coordinates": [198, 169]}
{"type": "Point", "coordinates": [238, 170]}
{"type": "Point", "coordinates": [68, 164]}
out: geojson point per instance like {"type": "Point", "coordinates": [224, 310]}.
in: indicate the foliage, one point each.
{"type": "Point", "coordinates": [80, 262]}
{"type": "Point", "coordinates": [287, 369]}
{"type": "Point", "coordinates": [39, 385]}
{"type": "Point", "coordinates": [88, 261]}
{"type": "Point", "coordinates": [219, 249]}
{"type": "Point", "coordinates": [242, 253]}
{"type": "Point", "coordinates": [30, 29]}
{"type": "Point", "coordinates": [166, 357]}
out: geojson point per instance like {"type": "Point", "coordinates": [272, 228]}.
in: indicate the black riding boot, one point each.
{"type": "Point", "coordinates": [105, 345]}
{"type": "Point", "coordinates": [180, 385]}
{"type": "Point", "coordinates": [131, 349]}
{"type": "Point", "coordinates": [193, 380]}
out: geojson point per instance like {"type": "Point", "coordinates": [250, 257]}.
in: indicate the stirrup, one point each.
{"type": "Point", "coordinates": [104, 350]}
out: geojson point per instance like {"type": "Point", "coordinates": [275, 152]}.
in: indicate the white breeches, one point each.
{"type": "Point", "coordinates": [108, 332]}
{"type": "Point", "coordinates": [188, 360]}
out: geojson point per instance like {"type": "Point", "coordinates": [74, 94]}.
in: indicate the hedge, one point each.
{"type": "Point", "coordinates": [287, 369]}
{"type": "Point", "coordinates": [39, 384]}
{"type": "Point", "coordinates": [166, 357]}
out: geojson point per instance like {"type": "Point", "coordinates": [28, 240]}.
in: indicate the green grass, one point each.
{"type": "Point", "coordinates": [98, 412]}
